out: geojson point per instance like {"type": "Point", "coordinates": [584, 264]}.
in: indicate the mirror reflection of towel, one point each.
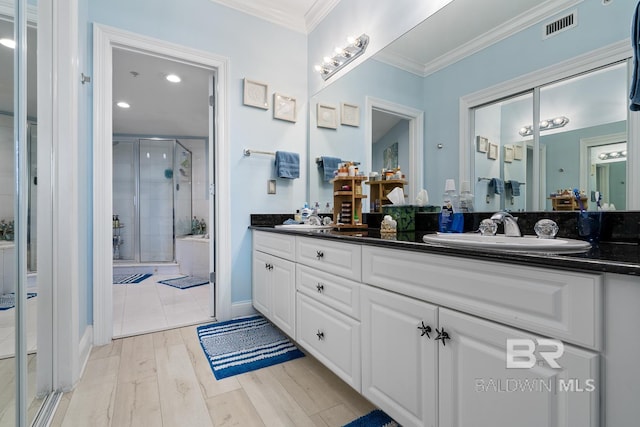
{"type": "Point", "coordinates": [330, 165]}
{"type": "Point", "coordinates": [287, 165]}
{"type": "Point", "coordinates": [515, 187]}
{"type": "Point", "coordinates": [497, 185]}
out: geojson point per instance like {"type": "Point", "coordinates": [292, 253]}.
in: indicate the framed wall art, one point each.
{"type": "Point", "coordinates": [508, 153]}
{"type": "Point", "coordinates": [518, 152]}
{"type": "Point", "coordinates": [482, 144]}
{"type": "Point", "coordinates": [284, 107]}
{"type": "Point", "coordinates": [327, 117]}
{"type": "Point", "coordinates": [349, 114]}
{"type": "Point", "coordinates": [493, 151]}
{"type": "Point", "coordinates": [255, 94]}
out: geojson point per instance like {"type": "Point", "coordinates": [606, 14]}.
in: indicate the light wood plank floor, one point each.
{"type": "Point", "coordinates": [164, 379]}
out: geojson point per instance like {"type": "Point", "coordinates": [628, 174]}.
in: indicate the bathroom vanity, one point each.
{"type": "Point", "coordinates": [422, 330]}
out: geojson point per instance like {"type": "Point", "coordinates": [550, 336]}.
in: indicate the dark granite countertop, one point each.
{"type": "Point", "coordinates": [610, 257]}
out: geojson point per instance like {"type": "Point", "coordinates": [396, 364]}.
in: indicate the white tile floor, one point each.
{"type": "Point", "coordinates": [150, 306]}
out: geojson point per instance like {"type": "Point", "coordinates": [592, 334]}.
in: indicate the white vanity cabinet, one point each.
{"type": "Point", "coordinates": [399, 356]}
{"type": "Point", "coordinates": [273, 277]}
{"type": "Point", "coordinates": [425, 336]}
{"type": "Point", "coordinates": [328, 305]}
{"type": "Point", "coordinates": [463, 380]}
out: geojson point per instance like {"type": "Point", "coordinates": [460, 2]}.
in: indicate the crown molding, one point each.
{"type": "Point", "coordinates": [318, 12]}
{"type": "Point", "coordinates": [511, 27]}
{"type": "Point", "coordinates": [400, 62]}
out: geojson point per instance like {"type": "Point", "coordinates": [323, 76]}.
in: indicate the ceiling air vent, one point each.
{"type": "Point", "coordinates": [559, 25]}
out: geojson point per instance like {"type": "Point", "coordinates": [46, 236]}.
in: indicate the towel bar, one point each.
{"type": "Point", "coordinates": [248, 152]}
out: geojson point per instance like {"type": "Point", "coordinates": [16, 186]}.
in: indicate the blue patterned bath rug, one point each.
{"type": "Point", "coordinates": [375, 418]}
{"type": "Point", "coordinates": [121, 279]}
{"type": "Point", "coordinates": [185, 282]}
{"type": "Point", "coordinates": [242, 345]}
{"type": "Point", "coordinates": [8, 301]}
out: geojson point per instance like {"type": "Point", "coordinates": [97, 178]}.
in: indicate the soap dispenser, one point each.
{"type": "Point", "coordinates": [450, 219]}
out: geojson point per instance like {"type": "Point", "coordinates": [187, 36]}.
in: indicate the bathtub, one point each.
{"type": "Point", "coordinates": [192, 255]}
{"type": "Point", "coordinates": [7, 267]}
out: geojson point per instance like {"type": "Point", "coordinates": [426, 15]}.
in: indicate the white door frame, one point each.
{"type": "Point", "coordinates": [104, 40]}
{"type": "Point", "coordinates": [415, 117]}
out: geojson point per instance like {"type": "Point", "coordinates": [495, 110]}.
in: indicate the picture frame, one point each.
{"type": "Point", "coordinates": [284, 107]}
{"type": "Point", "coordinates": [508, 153]}
{"type": "Point", "coordinates": [492, 153]}
{"type": "Point", "coordinates": [349, 114]}
{"type": "Point", "coordinates": [482, 144]}
{"type": "Point", "coordinates": [256, 94]}
{"type": "Point", "coordinates": [518, 152]}
{"type": "Point", "coordinates": [326, 116]}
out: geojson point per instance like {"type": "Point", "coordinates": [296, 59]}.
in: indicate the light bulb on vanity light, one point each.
{"type": "Point", "coordinates": [123, 104]}
{"type": "Point", "coordinates": [11, 44]}
{"type": "Point", "coordinates": [173, 78]}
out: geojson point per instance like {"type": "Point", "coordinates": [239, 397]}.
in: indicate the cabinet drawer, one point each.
{"type": "Point", "coordinates": [342, 259]}
{"type": "Point", "coordinates": [330, 336]}
{"type": "Point", "coordinates": [565, 305]}
{"type": "Point", "coordinates": [276, 244]}
{"type": "Point", "coordinates": [334, 291]}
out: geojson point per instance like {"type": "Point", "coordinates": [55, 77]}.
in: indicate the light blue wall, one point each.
{"type": "Point", "coordinates": [517, 55]}
{"type": "Point", "coordinates": [257, 50]}
{"type": "Point", "coordinates": [347, 142]}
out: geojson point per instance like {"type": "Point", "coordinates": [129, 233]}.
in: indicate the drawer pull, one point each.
{"type": "Point", "coordinates": [319, 254]}
{"type": "Point", "coordinates": [320, 335]}
{"type": "Point", "coordinates": [320, 288]}
{"type": "Point", "coordinates": [425, 330]}
{"type": "Point", "coordinates": [442, 335]}
{"type": "Point", "coordinates": [268, 266]}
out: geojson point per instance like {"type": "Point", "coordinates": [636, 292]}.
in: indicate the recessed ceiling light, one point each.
{"type": "Point", "coordinates": [8, 43]}
{"type": "Point", "coordinates": [123, 104]}
{"type": "Point", "coordinates": [173, 78]}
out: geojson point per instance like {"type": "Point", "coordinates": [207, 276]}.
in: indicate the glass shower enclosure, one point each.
{"type": "Point", "coordinates": [152, 185]}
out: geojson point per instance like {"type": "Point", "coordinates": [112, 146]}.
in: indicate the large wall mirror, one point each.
{"type": "Point", "coordinates": [579, 141]}
{"type": "Point", "coordinates": [582, 144]}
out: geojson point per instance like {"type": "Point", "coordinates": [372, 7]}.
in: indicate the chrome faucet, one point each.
{"type": "Point", "coordinates": [510, 223]}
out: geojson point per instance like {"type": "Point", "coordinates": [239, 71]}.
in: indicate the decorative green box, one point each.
{"type": "Point", "coordinates": [405, 216]}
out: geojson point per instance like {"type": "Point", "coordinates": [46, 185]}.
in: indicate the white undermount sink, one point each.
{"type": "Point", "coordinates": [304, 226]}
{"type": "Point", "coordinates": [515, 244]}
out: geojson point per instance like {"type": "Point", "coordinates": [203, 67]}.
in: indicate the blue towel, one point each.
{"type": "Point", "coordinates": [287, 165]}
{"type": "Point", "coordinates": [515, 187]}
{"type": "Point", "coordinates": [330, 165]}
{"type": "Point", "coordinates": [497, 184]}
{"type": "Point", "coordinates": [635, 44]}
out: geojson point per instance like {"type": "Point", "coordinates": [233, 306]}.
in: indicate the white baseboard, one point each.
{"type": "Point", "coordinates": [84, 349]}
{"type": "Point", "coordinates": [242, 309]}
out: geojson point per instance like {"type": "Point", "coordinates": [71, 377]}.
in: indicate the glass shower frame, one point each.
{"type": "Point", "coordinates": [161, 196]}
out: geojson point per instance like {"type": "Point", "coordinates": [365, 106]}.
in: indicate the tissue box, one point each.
{"type": "Point", "coordinates": [405, 216]}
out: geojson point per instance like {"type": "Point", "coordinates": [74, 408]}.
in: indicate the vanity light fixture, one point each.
{"type": "Point", "coordinates": [342, 56]}
{"type": "Point", "coordinates": [11, 44]}
{"type": "Point", "coordinates": [613, 155]}
{"type": "Point", "coordinates": [548, 124]}
{"type": "Point", "coordinates": [123, 104]}
{"type": "Point", "coordinates": [173, 78]}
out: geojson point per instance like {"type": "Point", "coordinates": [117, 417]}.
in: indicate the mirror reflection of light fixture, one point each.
{"type": "Point", "coordinates": [556, 122]}
{"type": "Point", "coordinates": [613, 155]}
{"type": "Point", "coordinates": [342, 56]}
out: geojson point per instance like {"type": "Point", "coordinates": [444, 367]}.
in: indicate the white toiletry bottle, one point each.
{"type": "Point", "coordinates": [466, 197]}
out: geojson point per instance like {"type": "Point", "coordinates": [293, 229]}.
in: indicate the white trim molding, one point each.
{"type": "Point", "coordinates": [7, 8]}
{"type": "Point", "coordinates": [601, 57]}
{"type": "Point", "coordinates": [586, 143]}
{"type": "Point", "coordinates": [415, 117]}
{"type": "Point", "coordinates": [105, 39]}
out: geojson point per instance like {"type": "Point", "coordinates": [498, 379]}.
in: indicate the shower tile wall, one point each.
{"type": "Point", "coordinates": [123, 193]}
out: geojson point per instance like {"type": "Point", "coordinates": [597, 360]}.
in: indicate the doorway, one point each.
{"type": "Point", "coordinates": [106, 41]}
